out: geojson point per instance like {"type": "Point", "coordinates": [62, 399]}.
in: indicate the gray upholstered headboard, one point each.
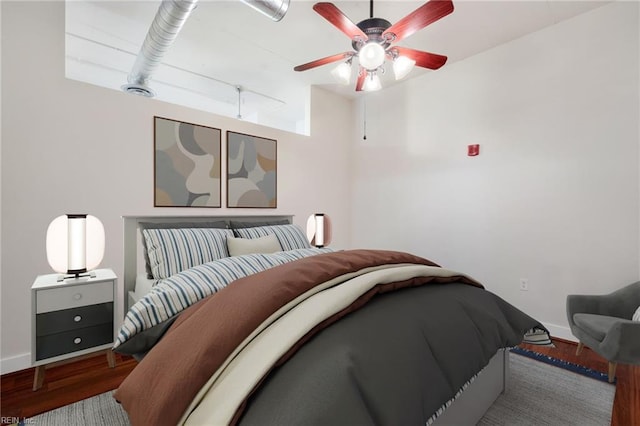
{"type": "Point", "coordinates": [133, 257]}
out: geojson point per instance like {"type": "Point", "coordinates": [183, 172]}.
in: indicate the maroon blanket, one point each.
{"type": "Point", "coordinates": [162, 386]}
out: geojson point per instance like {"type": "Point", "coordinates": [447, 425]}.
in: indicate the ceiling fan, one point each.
{"type": "Point", "coordinates": [372, 41]}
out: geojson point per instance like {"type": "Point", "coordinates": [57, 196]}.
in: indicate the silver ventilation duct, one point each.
{"type": "Point", "coordinates": [169, 20]}
{"type": "Point", "coordinates": [274, 9]}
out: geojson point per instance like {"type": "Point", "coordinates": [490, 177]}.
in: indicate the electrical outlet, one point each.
{"type": "Point", "coordinates": [524, 284]}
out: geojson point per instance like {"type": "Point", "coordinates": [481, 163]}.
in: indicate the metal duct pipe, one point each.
{"type": "Point", "coordinates": [274, 9]}
{"type": "Point", "coordinates": [169, 20]}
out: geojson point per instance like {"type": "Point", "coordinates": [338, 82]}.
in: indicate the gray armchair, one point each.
{"type": "Point", "coordinates": [603, 323]}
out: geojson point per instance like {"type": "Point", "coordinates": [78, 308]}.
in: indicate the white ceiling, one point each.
{"type": "Point", "coordinates": [225, 44]}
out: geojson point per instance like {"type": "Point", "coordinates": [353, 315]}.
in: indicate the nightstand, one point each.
{"type": "Point", "coordinates": [71, 318]}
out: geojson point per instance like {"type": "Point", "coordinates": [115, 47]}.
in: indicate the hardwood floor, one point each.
{"type": "Point", "coordinates": [89, 377]}
{"type": "Point", "coordinates": [63, 385]}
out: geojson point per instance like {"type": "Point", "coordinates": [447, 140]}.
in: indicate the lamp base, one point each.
{"type": "Point", "coordinates": [86, 275]}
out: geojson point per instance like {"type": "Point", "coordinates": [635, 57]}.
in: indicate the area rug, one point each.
{"type": "Point", "coordinates": [538, 394]}
{"type": "Point", "coordinates": [603, 377]}
{"type": "Point", "coordinates": [100, 410]}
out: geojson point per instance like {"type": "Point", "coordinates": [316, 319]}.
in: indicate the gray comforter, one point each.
{"type": "Point", "coordinates": [395, 361]}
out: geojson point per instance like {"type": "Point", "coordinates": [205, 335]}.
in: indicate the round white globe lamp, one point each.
{"type": "Point", "coordinates": [75, 244]}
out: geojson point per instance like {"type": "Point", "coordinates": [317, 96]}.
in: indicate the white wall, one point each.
{"type": "Point", "coordinates": [0, 167]}
{"type": "Point", "coordinates": [554, 194]}
{"type": "Point", "coordinates": [71, 147]}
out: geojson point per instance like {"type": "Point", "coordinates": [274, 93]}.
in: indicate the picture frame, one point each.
{"type": "Point", "coordinates": [252, 171]}
{"type": "Point", "coordinates": [187, 164]}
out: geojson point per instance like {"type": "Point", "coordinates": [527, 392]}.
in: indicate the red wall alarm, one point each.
{"type": "Point", "coordinates": [473, 150]}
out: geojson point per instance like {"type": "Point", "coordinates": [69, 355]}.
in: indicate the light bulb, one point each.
{"type": "Point", "coordinates": [371, 56]}
{"type": "Point", "coordinates": [342, 73]}
{"type": "Point", "coordinates": [402, 66]}
{"type": "Point", "coordinates": [319, 230]}
{"type": "Point", "coordinates": [372, 83]}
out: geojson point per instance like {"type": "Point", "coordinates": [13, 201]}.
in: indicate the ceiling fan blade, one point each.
{"type": "Point", "coordinates": [361, 77]}
{"type": "Point", "coordinates": [323, 61]}
{"type": "Point", "coordinates": [423, 59]}
{"type": "Point", "coordinates": [331, 13]}
{"type": "Point", "coordinates": [419, 18]}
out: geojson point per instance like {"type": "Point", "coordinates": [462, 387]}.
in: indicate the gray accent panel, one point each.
{"type": "Point", "coordinates": [65, 320]}
{"type": "Point", "coordinates": [63, 343]}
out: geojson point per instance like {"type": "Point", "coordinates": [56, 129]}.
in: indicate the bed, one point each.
{"type": "Point", "coordinates": [304, 335]}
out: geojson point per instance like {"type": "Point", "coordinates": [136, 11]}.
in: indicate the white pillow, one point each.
{"type": "Point", "coordinates": [636, 316]}
{"type": "Point", "coordinates": [240, 246]}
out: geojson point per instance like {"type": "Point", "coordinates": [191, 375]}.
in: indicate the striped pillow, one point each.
{"type": "Point", "coordinates": [173, 295]}
{"type": "Point", "coordinates": [291, 237]}
{"type": "Point", "coordinates": [174, 250]}
{"type": "Point", "coordinates": [167, 225]}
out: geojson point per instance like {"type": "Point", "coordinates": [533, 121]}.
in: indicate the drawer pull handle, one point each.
{"type": "Point", "coordinates": [77, 296]}
{"type": "Point", "coordinates": [77, 340]}
{"type": "Point", "coordinates": [77, 318]}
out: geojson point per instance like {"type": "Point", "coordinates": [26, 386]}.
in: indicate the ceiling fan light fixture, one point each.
{"type": "Point", "coordinates": [372, 41]}
{"type": "Point", "coordinates": [372, 83]}
{"type": "Point", "coordinates": [342, 73]}
{"type": "Point", "coordinates": [371, 56]}
{"type": "Point", "coordinates": [402, 66]}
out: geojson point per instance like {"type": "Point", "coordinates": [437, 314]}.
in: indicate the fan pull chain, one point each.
{"type": "Point", "coordinates": [239, 89]}
{"type": "Point", "coordinates": [364, 137]}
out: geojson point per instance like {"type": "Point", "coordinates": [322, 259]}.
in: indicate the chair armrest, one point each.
{"type": "Point", "coordinates": [622, 342]}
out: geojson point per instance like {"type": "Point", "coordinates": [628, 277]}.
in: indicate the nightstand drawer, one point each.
{"type": "Point", "coordinates": [66, 297]}
{"type": "Point", "coordinates": [73, 319]}
{"type": "Point", "coordinates": [72, 341]}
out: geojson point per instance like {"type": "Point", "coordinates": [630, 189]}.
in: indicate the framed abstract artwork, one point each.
{"type": "Point", "coordinates": [251, 171]}
{"type": "Point", "coordinates": [188, 161]}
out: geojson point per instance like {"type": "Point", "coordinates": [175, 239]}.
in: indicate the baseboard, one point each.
{"type": "Point", "coordinates": [560, 331]}
{"type": "Point", "coordinates": [15, 363]}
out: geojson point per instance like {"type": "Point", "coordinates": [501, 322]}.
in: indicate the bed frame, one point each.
{"type": "Point", "coordinates": [476, 399]}
{"type": "Point", "coordinates": [467, 409]}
